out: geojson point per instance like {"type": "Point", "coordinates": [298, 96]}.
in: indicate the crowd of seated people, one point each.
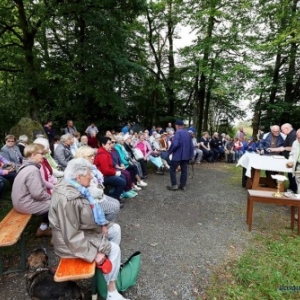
{"type": "Point", "coordinates": [112, 171]}
{"type": "Point", "coordinates": [126, 170]}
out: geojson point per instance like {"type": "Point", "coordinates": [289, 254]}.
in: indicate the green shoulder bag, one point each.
{"type": "Point", "coordinates": [127, 277]}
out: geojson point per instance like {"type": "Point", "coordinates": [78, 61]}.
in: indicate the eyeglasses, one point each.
{"type": "Point", "coordinates": [87, 175]}
{"type": "Point", "coordinates": [113, 142]}
{"type": "Point", "coordinates": [10, 141]}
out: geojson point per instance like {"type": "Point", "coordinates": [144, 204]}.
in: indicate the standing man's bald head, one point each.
{"type": "Point", "coordinates": [286, 128]}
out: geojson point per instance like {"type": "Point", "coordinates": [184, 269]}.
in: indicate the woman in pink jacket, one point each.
{"type": "Point", "coordinates": [146, 150]}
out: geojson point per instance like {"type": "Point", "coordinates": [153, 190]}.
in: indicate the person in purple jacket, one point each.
{"type": "Point", "coordinates": [181, 151]}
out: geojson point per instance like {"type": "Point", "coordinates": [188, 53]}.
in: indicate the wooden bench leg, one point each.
{"type": "Point", "coordinates": [250, 213]}
{"type": "Point", "coordinates": [23, 258]}
{"type": "Point", "coordinates": [292, 217]}
{"type": "Point", "coordinates": [23, 252]}
{"type": "Point", "coordinates": [1, 263]}
{"type": "Point", "coordinates": [247, 214]}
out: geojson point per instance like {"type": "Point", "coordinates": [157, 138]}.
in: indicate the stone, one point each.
{"type": "Point", "coordinates": [29, 127]}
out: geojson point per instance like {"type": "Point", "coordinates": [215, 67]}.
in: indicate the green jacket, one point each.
{"type": "Point", "coordinates": [123, 154]}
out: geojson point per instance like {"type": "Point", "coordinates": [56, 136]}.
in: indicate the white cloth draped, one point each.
{"type": "Point", "coordinates": [274, 163]}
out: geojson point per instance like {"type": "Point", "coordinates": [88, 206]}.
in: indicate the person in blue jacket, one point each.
{"type": "Point", "coordinates": [181, 151]}
{"type": "Point", "coordinates": [249, 145]}
{"type": "Point", "coordinates": [271, 140]}
{"type": "Point", "coordinates": [126, 128]}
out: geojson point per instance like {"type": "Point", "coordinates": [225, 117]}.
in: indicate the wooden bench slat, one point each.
{"type": "Point", "coordinates": [12, 226]}
{"type": "Point", "coordinates": [74, 269]}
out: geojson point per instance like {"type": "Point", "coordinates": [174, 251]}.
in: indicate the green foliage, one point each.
{"type": "Point", "coordinates": [74, 61]}
{"type": "Point", "coordinates": [118, 60]}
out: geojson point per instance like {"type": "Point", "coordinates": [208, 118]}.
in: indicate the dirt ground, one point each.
{"type": "Point", "coordinates": [182, 236]}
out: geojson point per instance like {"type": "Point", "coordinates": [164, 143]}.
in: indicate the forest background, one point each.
{"type": "Point", "coordinates": [114, 61]}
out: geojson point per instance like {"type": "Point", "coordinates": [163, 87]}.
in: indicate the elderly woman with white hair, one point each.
{"type": "Point", "coordinates": [78, 230]}
{"type": "Point", "coordinates": [109, 205]}
{"type": "Point", "coordinates": [62, 153]}
{"type": "Point", "coordinates": [46, 169]}
{"type": "Point", "coordinates": [55, 169]}
{"type": "Point", "coordinates": [22, 142]}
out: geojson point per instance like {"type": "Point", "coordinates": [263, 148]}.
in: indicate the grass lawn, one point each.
{"type": "Point", "coordinates": [265, 270]}
{"type": "Point", "coordinates": [268, 269]}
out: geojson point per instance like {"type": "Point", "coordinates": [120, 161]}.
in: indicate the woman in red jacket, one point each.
{"type": "Point", "coordinates": [104, 163]}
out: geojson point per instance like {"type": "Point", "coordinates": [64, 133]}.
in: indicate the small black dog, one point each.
{"type": "Point", "coordinates": [41, 285]}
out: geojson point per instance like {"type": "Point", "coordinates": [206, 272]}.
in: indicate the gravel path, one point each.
{"type": "Point", "coordinates": [182, 235]}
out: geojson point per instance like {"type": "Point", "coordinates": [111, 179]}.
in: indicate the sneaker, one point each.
{"type": "Point", "coordinates": [132, 192]}
{"type": "Point", "coordinates": [142, 183]}
{"type": "Point", "coordinates": [44, 233]}
{"type": "Point", "coordinates": [136, 188]}
{"type": "Point", "coordinates": [160, 171]}
{"type": "Point", "coordinates": [172, 187]}
{"type": "Point", "coordinates": [129, 194]}
{"type": "Point", "coordinates": [183, 188]}
{"type": "Point", "coordinates": [115, 296]}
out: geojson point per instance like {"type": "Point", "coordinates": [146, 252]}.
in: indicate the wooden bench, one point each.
{"type": "Point", "coordinates": [75, 269]}
{"type": "Point", "coordinates": [11, 231]}
{"type": "Point", "coordinates": [267, 197]}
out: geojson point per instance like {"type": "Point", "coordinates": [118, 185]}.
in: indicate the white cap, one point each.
{"type": "Point", "coordinates": [127, 136]}
{"type": "Point", "coordinates": [42, 141]}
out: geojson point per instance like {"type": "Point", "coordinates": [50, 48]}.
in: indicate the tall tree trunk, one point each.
{"type": "Point", "coordinates": [203, 77]}
{"type": "Point", "coordinates": [30, 73]}
{"type": "Point", "coordinates": [171, 76]}
{"type": "Point", "coordinates": [275, 77]}
{"type": "Point", "coordinates": [256, 116]}
{"type": "Point", "coordinates": [208, 96]}
{"type": "Point", "coordinates": [289, 85]}
{"type": "Point", "coordinates": [197, 120]}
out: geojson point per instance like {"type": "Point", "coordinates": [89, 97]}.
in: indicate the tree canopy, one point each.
{"type": "Point", "coordinates": [114, 61]}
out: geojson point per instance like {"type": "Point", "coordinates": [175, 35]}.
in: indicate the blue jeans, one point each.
{"type": "Point", "coordinates": [238, 154]}
{"type": "Point", "coordinates": [164, 155]}
{"type": "Point", "coordinates": [208, 154]}
{"type": "Point", "coordinates": [118, 183]}
{"type": "Point", "coordinates": [183, 176]}
{"type": "Point", "coordinates": [10, 177]}
{"type": "Point", "coordinates": [2, 185]}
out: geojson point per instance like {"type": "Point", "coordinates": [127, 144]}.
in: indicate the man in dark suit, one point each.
{"type": "Point", "coordinates": [181, 150]}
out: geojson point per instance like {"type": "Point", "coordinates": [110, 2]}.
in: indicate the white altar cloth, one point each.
{"type": "Point", "coordinates": [274, 163]}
